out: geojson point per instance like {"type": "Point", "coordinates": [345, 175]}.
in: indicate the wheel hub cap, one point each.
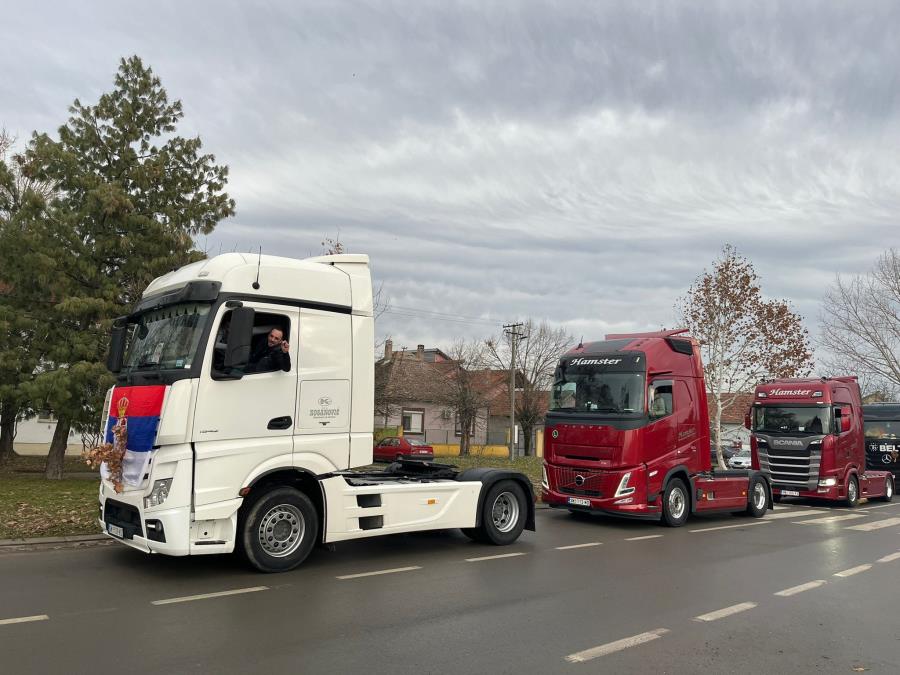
{"type": "Point", "coordinates": [676, 503]}
{"type": "Point", "coordinates": [505, 512]}
{"type": "Point", "coordinates": [281, 530]}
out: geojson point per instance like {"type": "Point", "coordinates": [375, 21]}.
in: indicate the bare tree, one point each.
{"type": "Point", "coordinates": [744, 338]}
{"type": "Point", "coordinates": [536, 359]}
{"type": "Point", "coordinates": [464, 391]}
{"type": "Point", "coordinates": [860, 326]}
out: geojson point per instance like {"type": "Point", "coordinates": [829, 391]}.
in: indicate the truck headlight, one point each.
{"type": "Point", "coordinates": [623, 488]}
{"type": "Point", "coordinates": [158, 494]}
{"type": "Point", "coordinates": [545, 483]}
{"type": "Point", "coordinates": [828, 482]}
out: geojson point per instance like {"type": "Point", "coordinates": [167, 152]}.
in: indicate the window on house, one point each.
{"type": "Point", "coordinates": [413, 421]}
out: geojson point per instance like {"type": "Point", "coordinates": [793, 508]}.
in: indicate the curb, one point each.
{"type": "Point", "coordinates": [31, 541]}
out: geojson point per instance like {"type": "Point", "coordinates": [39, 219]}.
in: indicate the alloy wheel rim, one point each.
{"type": "Point", "coordinates": [676, 503]}
{"type": "Point", "coordinates": [281, 530]}
{"type": "Point", "coordinates": [505, 511]}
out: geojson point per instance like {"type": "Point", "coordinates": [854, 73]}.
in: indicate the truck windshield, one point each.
{"type": "Point", "coordinates": [792, 420]}
{"type": "Point", "coordinates": [880, 429]}
{"type": "Point", "coordinates": [589, 390]}
{"type": "Point", "coordinates": [166, 338]}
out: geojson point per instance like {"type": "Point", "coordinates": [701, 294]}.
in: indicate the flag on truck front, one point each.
{"type": "Point", "coordinates": [140, 409]}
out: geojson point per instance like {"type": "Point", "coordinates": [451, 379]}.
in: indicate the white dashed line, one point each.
{"type": "Point", "coordinates": [378, 572]}
{"type": "Point", "coordinates": [731, 527]}
{"type": "Point", "coordinates": [725, 611]}
{"type": "Point", "coordinates": [205, 596]}
{"type": "Point", "coordinates": [648, 536]}
{"type": "Point", "coordinates": [890, 558]}
{"type": "Point", "coordinates": [494, 557]}
{"type": "Point", "coordinates": [793, 590]}
{"type": "Point", "coordinates": [587, 545]}
{"type": "Point", "coordinates": [828, 519]}
{"type": "Point", "coordinates": [617, 646]}
{"type": "Point", "coordinates": [791, 514]}
{"type": "Point", "coordinates": [881, 506]}
{"type": "Point", "coordinates": [853, 570]}
{"type": "Point", "coordinates": [877, 525]}
{"type": "Point", "coordinates": [24, 619]}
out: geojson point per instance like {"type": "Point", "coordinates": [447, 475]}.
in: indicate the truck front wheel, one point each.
{"type": "Point", "coordinates": [676, 503]}
{"type": "Point", "coordinates": [278, 530]}
{"type": "Point", "coordinates": [503, 515]}
{"type": "Point", "coordinates": [757, 498]}
{"type": "Point", "coordinates": [888, 490]}
{"type": "Point", "coordinates": [852, 492]}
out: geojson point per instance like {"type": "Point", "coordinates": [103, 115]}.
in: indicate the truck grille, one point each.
{"type": "Point", "coordinates": [796, 469]}
{"type": "Point", "coordinates": [576, 481]}
{"type": "Point", "coordinates": [125, 516]}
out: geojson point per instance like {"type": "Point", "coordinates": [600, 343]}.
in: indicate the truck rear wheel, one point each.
{"type": "Point", "coordinates": [888, 490]}
{"type": "Point", "coordinates": [852, 492]}
{"type": "Point", "coordinates": [278, 530]}
{"type": "Point", "coordinates": [676, 503]}
{"type": "Point", "coordinates": [757, 498]}
{"type": "Point", "coordinates": [503, 515]}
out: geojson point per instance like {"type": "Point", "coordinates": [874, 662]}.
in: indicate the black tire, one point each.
{"type": "Point", "coordinates": [888, 490]}
{"type": "Point", "coordinates": [291, 530]}
{"type": "Point", "coordinates": [757, 497]}
{"type": "Point", "coordinates": [503, 514]}
{"type": "Point", "coordinates": [676, 503]}
{"type": "Point", "coordinates": [852, 492]}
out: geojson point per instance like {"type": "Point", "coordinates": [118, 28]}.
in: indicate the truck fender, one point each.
{"type": "Point", "coordinates": [488, 477]}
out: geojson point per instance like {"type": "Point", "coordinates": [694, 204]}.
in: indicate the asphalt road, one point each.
{"type": "Point", "coordinates": [802, 590]}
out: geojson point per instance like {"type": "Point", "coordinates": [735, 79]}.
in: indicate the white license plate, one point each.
{"type": "Point", "coordinates": [116, 531]}
{"type": "Point", "coordinates": [578, 501]}
{"type": "Point", "coordinates": [790, 493]}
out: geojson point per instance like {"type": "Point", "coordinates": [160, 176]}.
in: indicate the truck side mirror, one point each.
{"type": "Point", "coordinates": [845, 419]}
{"type": "Point", "coordinates": [116, 352]}
{"type": "Point", "coordinates": [747, 419]}
{"type": "Point", "coordinates": [240, 334]}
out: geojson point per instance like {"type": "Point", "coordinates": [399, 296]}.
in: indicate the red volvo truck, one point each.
{"type": "Point", "coordinates": [808, 438]}
{"type": "Point", "coordinates": [627, 434]}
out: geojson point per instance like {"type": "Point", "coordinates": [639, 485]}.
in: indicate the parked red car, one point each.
{"type": "Point", "coordinates": [396, 447]}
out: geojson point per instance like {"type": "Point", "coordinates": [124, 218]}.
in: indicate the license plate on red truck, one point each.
{"type": "Point", "coordinates": [790, 493]}
{"type": "Point", "coordinates": [578, 501]}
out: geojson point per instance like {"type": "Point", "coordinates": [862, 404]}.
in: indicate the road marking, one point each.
{"type": "Point", "coordinates": [793, 590]}
{"type": "Point", "coordinates": [882, 506]}
{"type": "Point", "coordinates": [725, 611]}
{"type": "Point", "coordinates": [24, 619]}
{"type": "Point", "coordinates": [890, 557]}
{"type": "Point", "coordinates": [827, 519]}
{"type": "Point", "coordinates": [617, 646]}
{"type": "Point", "coordinates": [494, 557]}
{"type": "Point", "coordinates": [648, 536]}
{"type": "Point", "coordinates": [566, 548]}
{"type": "Point", "coordinates": [729, 527]}
{"type": "Point", "coordinates": [378, 572]}
{"type": "Point", "coordinates": [853, 570]}
{"type": "Point", "coordinates": [877, 525]}
{"type": "Point", "coordinates": [204, 596]}
{"type": "Point", "coordinates": [791, 514]}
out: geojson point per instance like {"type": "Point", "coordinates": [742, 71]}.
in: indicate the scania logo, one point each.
{"type": "Point", "coordinates": [579, 480]}
{"type": "Point", "coordinates": [324, 401]}
{"type": "Point", "coordinates": [791, 443]}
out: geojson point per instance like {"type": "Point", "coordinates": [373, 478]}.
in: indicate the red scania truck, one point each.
{"type": "Point", "coordinates": [808, 438]}
{"type": "Point", "coordinates": [627, 433]}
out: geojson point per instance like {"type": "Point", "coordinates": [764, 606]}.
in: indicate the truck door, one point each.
{"type": "Point", "coordinates": [686, 418]}
{"type": "Point", "coordinates": [241, 423]}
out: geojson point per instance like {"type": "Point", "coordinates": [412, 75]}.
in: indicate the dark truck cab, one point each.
{"type": "Point", "coordinates": [881, 422]}
{"type": "Point", "coordinates": [627, 433]}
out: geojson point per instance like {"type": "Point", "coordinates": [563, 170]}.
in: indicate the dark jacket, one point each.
{"type": "Point", "coordinates": [265, 360]}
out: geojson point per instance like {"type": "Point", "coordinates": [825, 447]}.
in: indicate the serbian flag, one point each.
{"type": "Point", "coordinates": [141, 408]}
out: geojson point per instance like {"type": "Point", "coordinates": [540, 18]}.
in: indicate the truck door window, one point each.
{"type": "Point", "coordinates": [660, 397]}
{"type": "Point", "coordinates": [264, 357]}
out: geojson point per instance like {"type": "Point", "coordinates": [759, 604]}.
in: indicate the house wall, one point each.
{"type": "Point", "coordinates": [437, 428]}
{"type": "Point", "coordinates": [33, 438]}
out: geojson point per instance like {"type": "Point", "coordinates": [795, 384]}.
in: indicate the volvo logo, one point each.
{"type": "Point", "coordinates": [579, 480]}
{"type": "Point", "coordinates": [555, 433]}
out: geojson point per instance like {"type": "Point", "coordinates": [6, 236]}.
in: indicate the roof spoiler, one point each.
{"type": "Point", "coordinates": [656, 334]}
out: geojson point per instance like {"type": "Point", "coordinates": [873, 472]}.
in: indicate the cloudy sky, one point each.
{"type": "Point", "coordinates": [575, 162]}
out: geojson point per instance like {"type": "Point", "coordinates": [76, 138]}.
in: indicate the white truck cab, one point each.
{"type": "Point", "coordinates": [236, 444]}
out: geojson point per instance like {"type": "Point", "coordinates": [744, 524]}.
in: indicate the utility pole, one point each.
{"type": "Point", "coordinates": [512, 330]}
